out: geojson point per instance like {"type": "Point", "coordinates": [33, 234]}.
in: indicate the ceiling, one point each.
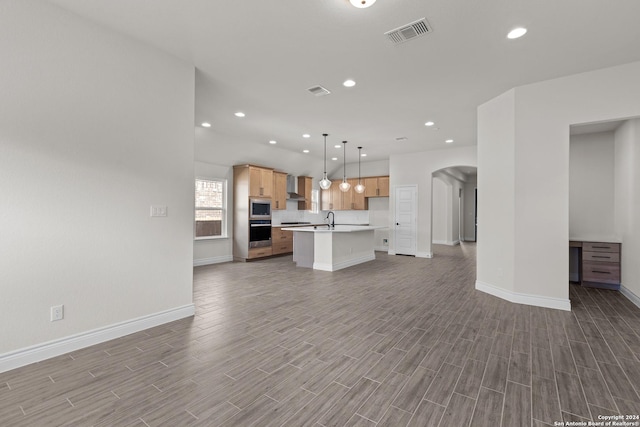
{"type": "Point", "coordinates": [260, 56]}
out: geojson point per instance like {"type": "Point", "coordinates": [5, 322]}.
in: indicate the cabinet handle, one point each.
{"type": "Point", "coordinates": [602, 247]}
{"type": "Point", "coordinates": [601, 272]}
{"type": "Point", "coordinates": [600, 256]}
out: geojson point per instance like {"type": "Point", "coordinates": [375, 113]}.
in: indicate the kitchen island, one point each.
{"type": "Point", "coordinates": [332, 248]}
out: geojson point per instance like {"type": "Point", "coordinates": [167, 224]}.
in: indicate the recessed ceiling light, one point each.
{"type": "Point", "coordinates": [361, 4]}
{"type": "Point", "coordinates": [334, 158]}
{"type": "Point", "coordinates": [449, 141]}
{"type": "Point", "coordinates": [206, 124]}
{"type": "Point", "coordinates": [306, 135]}
{"type": "Point", "coordinates": [305, 151]}
{"type": "Point", "coordinates": [337, 146]}
{"type": "Point", "coordinates": [349, 83]}
{"type": "Point", "coordinates": [273, 142]}
{"type": "Point", "coordinates": [363, 155]}
{"type": "Point", "coordinates": [429, 123]}
{"type": "Point", "coordinates": [239, 114]}
{"type": "Point", "coordinates": [517, 33]}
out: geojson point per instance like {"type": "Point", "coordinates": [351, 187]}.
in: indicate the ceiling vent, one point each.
{"type": "Point", "coordinates": [319, 91]}
{"type": "Point", "coordinates": [409, 31]}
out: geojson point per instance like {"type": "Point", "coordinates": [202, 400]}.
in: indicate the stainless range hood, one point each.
{"type": "Point", "coordinates": [292, 188]}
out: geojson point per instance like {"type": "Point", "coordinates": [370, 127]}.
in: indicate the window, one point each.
{"type": "Point", "coordinates": [315, 199]}
{"type": "Point", "coordinates": [210, 209]}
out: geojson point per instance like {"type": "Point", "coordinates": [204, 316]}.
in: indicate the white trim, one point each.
{"type": "Point", "coordinates": [47, 350]}
{"type": "Point", "coordinates": [528, 299]}
{"type": "Point", "coordinates": [212, 260]}
{"type": "Point", "coordinates": [381, 248]}
{"type": "Point", "coordinates": [344, 264]}
{"type": "Point", "coordinates": [424, 254]}
{"type": "Point", "coordinates": [390, 252]}
{"type": "Point", "coordinates": [630, 295]}
{"type": "Point", "coordinates": [446, 242]}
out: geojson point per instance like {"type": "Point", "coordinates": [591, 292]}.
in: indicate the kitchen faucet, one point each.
{"type": "Point", "coordinates": [332, 224]}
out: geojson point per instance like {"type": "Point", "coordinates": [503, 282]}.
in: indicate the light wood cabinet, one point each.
{"type": "Point", "coordinates": [279, 201]}
{"type": "Point", "coordinates": [332, 198]}
{"type": "Point", "coordinates": [282, 241]}
{"type": "Point", "coordinates": [351, 199]}
{"type": "Point", "coordinates": [376, 186]}
{"type": "Point", "coordinates": [305, 184]}
{"type": "Point", "coordinates": [248, 181]}
{"type": "Point", "coordinates": [261, 182]}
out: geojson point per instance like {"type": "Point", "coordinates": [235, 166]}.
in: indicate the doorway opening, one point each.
{"type": "Point", "coordinates": [453, 206]}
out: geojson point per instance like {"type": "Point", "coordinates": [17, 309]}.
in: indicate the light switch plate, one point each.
{"type": "Point", "coordinates": [158, 210]}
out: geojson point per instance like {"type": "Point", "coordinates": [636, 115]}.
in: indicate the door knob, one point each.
{"type": "Point", "coordinates": [397, 223]}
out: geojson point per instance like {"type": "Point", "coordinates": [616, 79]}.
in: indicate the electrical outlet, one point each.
{"type": "Point", "coordinates": [385, 242]}
{"type": "Point", "coordinates": [57, 312]}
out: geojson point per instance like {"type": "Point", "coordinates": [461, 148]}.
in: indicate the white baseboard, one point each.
{"type": "Point", "coordinates": [344, 264]}
{"type": "Point", "coordinates": [212, 260]}
{"type": "Point", "coordinates": [381, 248]}
{"type": "Point", "coordinates": [446, 242]}
{"type": "Point", "coordinates": [47, 350]}
{"type": "Point", "coordinates": [536, 300]}
{"type": "Point", "coordinates": [424, 254]}
{"type": "Point", "coordinates": [630, 295]}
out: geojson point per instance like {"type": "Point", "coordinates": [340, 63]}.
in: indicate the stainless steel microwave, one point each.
{"type": "Point", "coordinates": [260, 208]}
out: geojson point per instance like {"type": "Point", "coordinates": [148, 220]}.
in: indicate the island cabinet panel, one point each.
{"type": "Point", "coordinates": [261, 182]}
{"type": "Point", "coordinates": [282, 241]}
{"type": "Point", "coordinates": [279, 201]}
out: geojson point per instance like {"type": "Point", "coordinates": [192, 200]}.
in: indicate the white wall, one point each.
{"type": "Point", "coordinates": [496, 192]}
{"type": "Point", "coordinates": [94, 128]}
{"type": "Point", "coordinates": [538, 172]}
{"type": "Point", "coordinates": [469, 208]}
{"type": "Point", "coordinates": [627, 203]}
{"type": "Point", "coordinates": [440, 211]}
{"type": "Point", "coordinates": [591, 195]}
{"type": "Point", "coordinates": [417, 169]}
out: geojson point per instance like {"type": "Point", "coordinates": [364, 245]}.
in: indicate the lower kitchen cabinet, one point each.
{"type": "Point", "coordinates": [281, 241]}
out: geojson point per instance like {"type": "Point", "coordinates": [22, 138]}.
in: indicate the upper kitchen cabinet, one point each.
{"type": "Point", "coordinates": [305, 185]}
{"type": "Point", "coordinates": [332, 198]}
{"type": "Point", "coordinates": [261, 181]}
{"type": "Point", "coordinates": [377, 186]}
{"type": "Point", "coordinates": [279, 201]}
{"type": "Point", "coordinates": [352, 199]}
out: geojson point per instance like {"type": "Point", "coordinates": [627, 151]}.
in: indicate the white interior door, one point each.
{"type": "Point", "coordinates": [405, 220]}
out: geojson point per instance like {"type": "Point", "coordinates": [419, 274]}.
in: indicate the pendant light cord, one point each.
{"type": "Point", "coordinates": [359, 149]}
{"type": "Point", "coordinates": [325, 153]}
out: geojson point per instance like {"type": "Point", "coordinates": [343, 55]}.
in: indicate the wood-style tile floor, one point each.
{"type": "Point", "coordinates": [395, 342]}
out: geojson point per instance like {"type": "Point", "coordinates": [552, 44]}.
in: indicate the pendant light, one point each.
{"type": "Point", "coordinates": [361, 4]}
{"type": "Point", "coordinates": [324, 182]}
{"type": "Point", "coordinates": [344, 185]}
{"type": "Point", "coordinates": [359, 188]}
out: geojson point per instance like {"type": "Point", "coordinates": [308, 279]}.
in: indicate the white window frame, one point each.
{"type": "Point", "coordinates": [224, 226]}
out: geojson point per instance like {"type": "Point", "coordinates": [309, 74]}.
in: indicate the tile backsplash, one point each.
{"type": "Point", "coordinates": [292, 214]}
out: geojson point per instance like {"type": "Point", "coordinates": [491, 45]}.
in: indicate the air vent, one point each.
{"type": "Point", "coordinates": [409, 31]}
{"type": "Point", "coordinates": [319, 91]}
{"type": "Point", "coordinates": [401, 138]}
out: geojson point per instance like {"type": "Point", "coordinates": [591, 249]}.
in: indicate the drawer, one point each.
{"type": "Point", "coordinates": [282, 247]}
{"type": "Point", "coordinates": [601, 272]}
{"type": "Point", "coordinates": [601, 256]}
{"type": "Point", "coordinates": [278, 235]}
{"type": "Point", "coordinates": [260, 252]}
{"type": "Point", "coordinates": [601, 247]}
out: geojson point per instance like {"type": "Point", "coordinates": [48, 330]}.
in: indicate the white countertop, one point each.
{"type": "Point", "coordinates": [596, 239]}
{"type": "Point", "coordinates": [337, 229]}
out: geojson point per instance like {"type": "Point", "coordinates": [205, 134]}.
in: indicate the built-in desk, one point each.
{"type": "Point", "coordinates": [598, 263]}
